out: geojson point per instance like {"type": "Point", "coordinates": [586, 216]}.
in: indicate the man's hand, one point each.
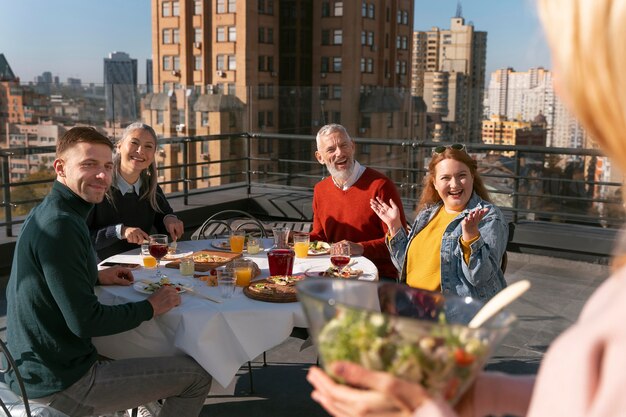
{"type": "Point", "coordinates": [163, 300]}
{"type": "Point", "coordinates": [134, 235]}
{"type": "Point", "coordinates": [117, 275]}
{"type": "Point", "coordinates": [356, 249]}
{"type": "Point", "coordinates": [174, 227]}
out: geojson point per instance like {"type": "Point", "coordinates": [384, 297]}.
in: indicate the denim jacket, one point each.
{"type": "Point", "coordinates": [482, 278]}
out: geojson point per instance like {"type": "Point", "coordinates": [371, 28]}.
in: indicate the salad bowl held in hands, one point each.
{"type": "Point", "coordinates": [417, 335]}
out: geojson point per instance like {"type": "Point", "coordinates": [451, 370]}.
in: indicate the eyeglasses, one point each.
{"type": "Point", "coordinates": [455, 146]}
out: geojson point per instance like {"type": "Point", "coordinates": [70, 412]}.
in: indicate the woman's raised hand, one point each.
{"type": "Point", "coordinates": [388, 213]}
{"type": "Point", "coordinates": [469, 225]}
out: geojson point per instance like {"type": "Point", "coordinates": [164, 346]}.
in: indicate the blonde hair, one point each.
{"type": "Point", "coordinates": [586, 39]}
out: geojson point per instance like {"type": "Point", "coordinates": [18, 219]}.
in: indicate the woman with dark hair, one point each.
{"type": "Point", "coordinates": [135, 204]}
{"type": "Point", "coordinates": [458, 238]}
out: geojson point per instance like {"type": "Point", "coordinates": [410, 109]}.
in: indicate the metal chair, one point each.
{"type": "Point", "coordinates": [222, 223]}
{"type": "Point", "coordinates": [14, 406]}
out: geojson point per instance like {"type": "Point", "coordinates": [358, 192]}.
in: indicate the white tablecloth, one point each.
{"type": "Point", "coordinates": [220, 337]}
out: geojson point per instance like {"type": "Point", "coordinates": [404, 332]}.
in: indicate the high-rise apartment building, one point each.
{"type": "Point", "coordinates": [285, 67]}
{"type": "Point", "coordinates": [449, 73]}
{"type": "Point", "coordinates": [524, 95]}
{"type": "Point", "coordinates": [120, 81]}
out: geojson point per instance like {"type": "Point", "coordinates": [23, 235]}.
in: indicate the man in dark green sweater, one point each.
{"type": "Point", "coordinates": [53, 311]}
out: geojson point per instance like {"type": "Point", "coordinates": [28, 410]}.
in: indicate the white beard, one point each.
{"type": "Point", "coordinates": [340, 175]}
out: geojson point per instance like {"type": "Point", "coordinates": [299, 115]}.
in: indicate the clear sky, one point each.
{"type": "Point", "coordinates": [70, 38]}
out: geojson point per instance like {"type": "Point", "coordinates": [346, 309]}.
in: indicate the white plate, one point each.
{"type": "Point", "coordinates": [141, 287]}
{"type": "Point", "coordinates": [324, 251]}
{"type": "Point", "coordinates": [171, 257]}
{"type": "Point", "coordinates": [221, 244]}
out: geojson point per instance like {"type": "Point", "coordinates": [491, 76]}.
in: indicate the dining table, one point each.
{"type": "Point", "coordinates": [221, 335]}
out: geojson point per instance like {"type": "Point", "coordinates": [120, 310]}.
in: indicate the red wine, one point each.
{"type": "Point", "coordinates": [158, 251]}
{"type": "Point", "coordinates": [339, 260]}
{"type": "Point", "coordinates": [281, 261]}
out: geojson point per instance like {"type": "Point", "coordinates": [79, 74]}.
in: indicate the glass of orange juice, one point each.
{"type": "Point", "coordinates": [237, 240]}
{"type": "Point", "coordinates": [149, 261]}
{"type": "Point", "coordinates": [301, 244]}
{"type": "Point", "coordinates": [243, 272]}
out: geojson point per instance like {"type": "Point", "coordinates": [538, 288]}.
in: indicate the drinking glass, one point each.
{"type": "Point", "coordinates": [157, 246]}
{"type": "Point", "coordinates": [253, 245]}
{"type": "Point", "coordinates": [243, 272]}
{"type": "Point", "coordinates": [226, 282]}
{"type": "Point", "coordinates": [301, 244]}
{"type": "Point", "coordinates": [237, 240]}
{"type": "Point", "coordinates": [149, 261]}
{"type": "Point", "coordinates": [340, 255]}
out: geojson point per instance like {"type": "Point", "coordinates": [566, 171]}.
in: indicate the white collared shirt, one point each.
{"type": "Point", "coordinates": [125, 187]}
{"type": "Point", "coordinates": [357, 171]}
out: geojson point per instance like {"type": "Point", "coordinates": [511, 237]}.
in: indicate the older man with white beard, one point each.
{"type": "Point", "coordinates": [341, 203]}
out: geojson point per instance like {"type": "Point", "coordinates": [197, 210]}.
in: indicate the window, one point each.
{"type": "Point", "coordinates": [232, 119]}
{"type": "Point", "coordinates": [390, 120]}
{"type": "Point", "coordinates": [337, 92]}
{"type": "Point", "coordinates": [159, 117]}
{"type": "Point", "coordinates": [232, 63]}
{"type": "Point", "coordinates": [405, 18]}
{"type": "Point", "coordinates": [270, 118]}
{"type": "Point", "coordinates": [363, 37]}
{"type": "Point", "coordinates": [337, 117]}
{"type": "Point", "coordinates": [337, 36]}
{"type": "Point", "coordinates": [338, 8]}
{"type": "Point", "coordinates": [261, 66]}
{"type": "Point", "coordinates": [397, 67]}
{"type": "Point", "coordinates": [270, 91]}
{"type": "Point", "coordinates": [176, 63]}
{"type": "Point", "coordinates": [325, 66]}
{"type": "Point", "coordinates": [197, 62]}
{"type": "Point", "coordinates": [166, 36]}
{"type": "Point", "coordinates": [261, 35]}
{"type": "Point", "coordinates": [221, 6]}
{"type": "Point", "coordinates": [197, 7]}
{"type": "Point", "coordinates": [167, 63]}
{"type": "Point", "coordinates": [204, 119]}
{"type": "Point", "coordinates": [364, 9]}
{"type": "Point", "coordinates": [166, 9]}
{"type": "Point", "coordinates": [270, 7]}
{"type": "Point", "coordinates": [270, 35]}
{"type": "Point", "coordinates": [175, 36]}
{"type": "Point", "coordinates": [362, 64]}
{"type": "Point", "coordinates": [399, 20]}
{"type": "Point", "coordinates": [370, 38]}
{"type": "Point", "coordinates": [261, 91]}
{"type": "Point", "coordinates": [398, 43]}
{"type": "Point", "coordinates": [325, 9]}
{"type": "Point", "coordinates": [175, 8]}
{"type": "Point", "coordinates": [221, 34]}
{"type": "Point", "coordinates": [220, 62]}
{"type": "Point", "coordinates": [370, 11]}
{"type": "Point", "coordinates": [366, 120]}
{"type": "Point", "coordinates": [232, 34]}
{"type": "Point", "coordinates": [197, 35]}
{"type": "Point", "coordinates": [261, 119]}
{"type": "Point", "coordinates": [370, 65]}
{"type": "Point", "coordinates": [323, 92]}
{"type": "Point", "coordinates": [325, 37]}
{"type": "Point", "coordinates": [270, 63]}
{"type": "Point", "coordinates": [232, 6]}
{"type": "Point", "coordinates": [232, 90]}
{"type": "Point", "coordinates": [336, 64]}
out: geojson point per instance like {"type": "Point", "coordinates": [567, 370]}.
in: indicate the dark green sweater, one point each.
{"type": "Point", "coordinates": [52, 311]}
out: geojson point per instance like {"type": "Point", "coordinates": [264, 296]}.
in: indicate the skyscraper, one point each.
{"type": "Point", "coordinates": [449, 72]}
{"type": "Point", "coordinates": [120, 82]}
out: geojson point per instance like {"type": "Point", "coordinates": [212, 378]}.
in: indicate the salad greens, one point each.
{"type": "Point", "coordinates": [443, 358]}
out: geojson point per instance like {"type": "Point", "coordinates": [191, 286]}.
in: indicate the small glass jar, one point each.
{"type": "Point", "coordinates": [187, 266]}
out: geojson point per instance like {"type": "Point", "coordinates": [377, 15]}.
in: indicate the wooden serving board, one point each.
{"type": "Point", "coordinates": [207, 266]}
{"type": "Point", "coordinates": [274, 293]}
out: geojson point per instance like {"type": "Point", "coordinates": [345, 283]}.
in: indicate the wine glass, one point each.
{"type": "Point", "coordinates": [340, 255]}
{"type": "Point", "coordinates": [157, 245]}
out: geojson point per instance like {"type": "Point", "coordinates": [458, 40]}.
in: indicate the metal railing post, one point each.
{"type": "Point", "coordinates": [186, 174]}
{"type": "Point", "coordinates": [515, 200]}
{"type": "Point", "coordinates": [6, 197]}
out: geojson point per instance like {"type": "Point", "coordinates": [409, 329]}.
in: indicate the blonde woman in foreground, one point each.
{"type": "Point", "coordinates": [584, 371]}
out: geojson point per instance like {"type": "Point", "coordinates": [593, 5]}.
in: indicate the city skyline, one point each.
{"type": "Point", "coordinates": [56, 41]}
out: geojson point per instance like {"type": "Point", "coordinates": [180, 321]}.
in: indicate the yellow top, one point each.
{"type": "Point", "coordinates": [423, 267]}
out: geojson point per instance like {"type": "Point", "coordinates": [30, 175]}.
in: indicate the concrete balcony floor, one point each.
{"type": "Point", "coordinates": [559, 290]}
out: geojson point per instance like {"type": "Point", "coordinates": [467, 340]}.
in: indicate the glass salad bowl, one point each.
{"type": "Point", "coordinates": [417, 335]}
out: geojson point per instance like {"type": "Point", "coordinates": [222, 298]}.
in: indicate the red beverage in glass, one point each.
{"type": "Point", "coordinates": [281, 261]}
{"type": "Point", "coordinates": [158, 251]}
{"type": "Point", "coordinates": [340, 261]}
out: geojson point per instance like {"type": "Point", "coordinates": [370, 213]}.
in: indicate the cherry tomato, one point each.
{"type": "Point", "coordinates": [463, 358]}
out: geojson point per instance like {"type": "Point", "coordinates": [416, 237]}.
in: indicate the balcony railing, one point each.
{"type": "Point", "coordinates": [531, 184]}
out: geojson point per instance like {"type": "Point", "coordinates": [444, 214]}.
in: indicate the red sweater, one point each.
{"type": "Point", "coordinates": [339, 215]}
